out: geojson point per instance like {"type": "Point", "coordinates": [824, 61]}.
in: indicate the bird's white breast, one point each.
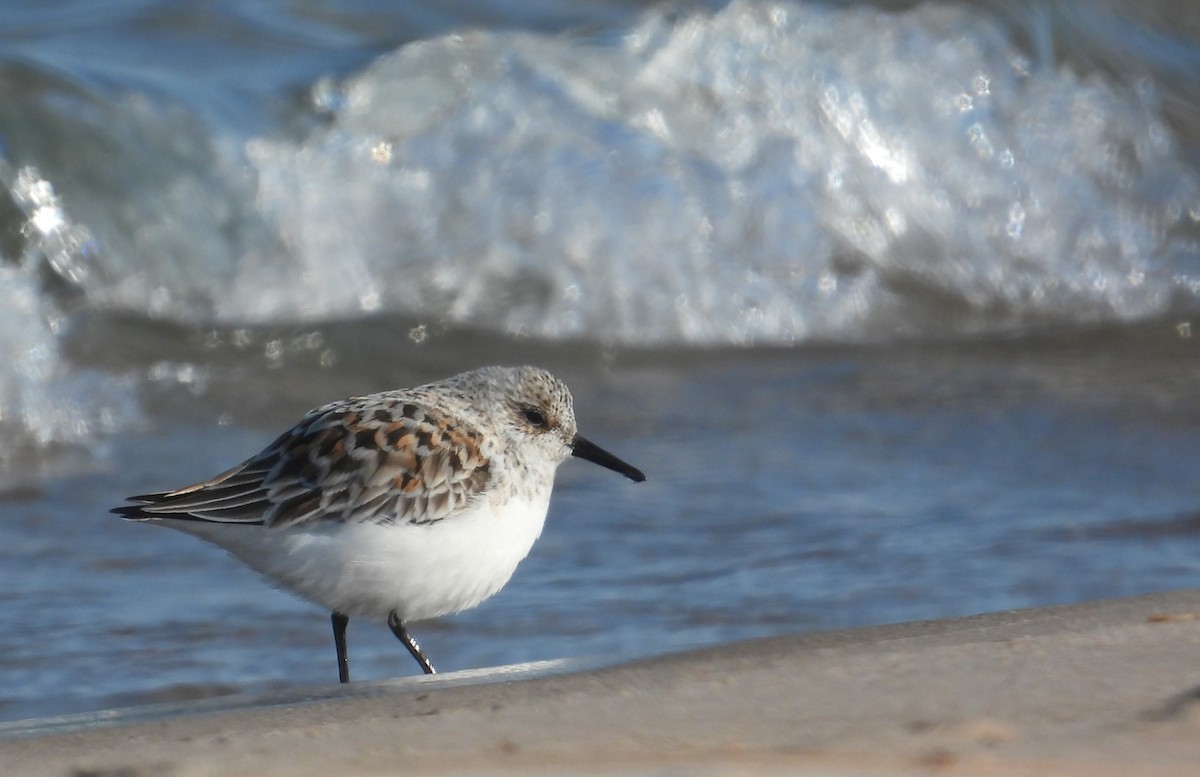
{"type": "Point", "coordinates": [370, 570]}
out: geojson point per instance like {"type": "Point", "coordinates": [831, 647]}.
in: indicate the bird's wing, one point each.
{"type": "Point", "coordinates": [378, 460]}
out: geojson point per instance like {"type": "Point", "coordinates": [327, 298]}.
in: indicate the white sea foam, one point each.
{"type": "Point", "coordinates": [43, 402]}
{"type": "Point", "coordinates": [767, 174]}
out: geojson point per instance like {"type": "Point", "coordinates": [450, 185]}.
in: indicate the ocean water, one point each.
{"type": "Point", "coordinates": [897, 305]}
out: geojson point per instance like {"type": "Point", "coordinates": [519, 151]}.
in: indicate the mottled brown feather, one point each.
{"type": "Point", "coordinates": [390, 463]}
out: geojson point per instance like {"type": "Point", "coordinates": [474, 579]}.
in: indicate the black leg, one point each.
{"type": "Point", "coordinates": [339, 642]}
{"type": "Point", "coordinates": [402, 634]}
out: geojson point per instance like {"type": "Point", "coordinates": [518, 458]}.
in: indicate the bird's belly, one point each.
{"type": "Point", "coordinates": [370, 570]}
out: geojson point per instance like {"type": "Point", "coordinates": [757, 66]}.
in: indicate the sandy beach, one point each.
{"type": "Point", "coordinates": [1105, 688]}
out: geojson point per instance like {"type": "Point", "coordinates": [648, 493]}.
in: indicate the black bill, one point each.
{"type": "Point", "coordinates": [597, 455]}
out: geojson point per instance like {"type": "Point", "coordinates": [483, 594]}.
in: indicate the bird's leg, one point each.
{"type": "Point", "coordinates": [339, 642]}
{"type": "Point", "coordinates": [402, 634]}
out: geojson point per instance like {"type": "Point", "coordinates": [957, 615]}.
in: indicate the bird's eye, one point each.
{"type": "Point", "coordinates": [534, 416]}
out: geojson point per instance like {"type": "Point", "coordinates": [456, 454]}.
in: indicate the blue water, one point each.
{"type": "Point", "coordinates": [895, 308]}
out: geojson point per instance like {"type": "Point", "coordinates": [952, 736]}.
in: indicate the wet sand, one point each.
{"type": "Point", "coordinates": [1107, 688]}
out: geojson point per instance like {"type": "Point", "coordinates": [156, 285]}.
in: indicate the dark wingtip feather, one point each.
{"type": "Point", "coordinates": [148, 499]}
{"type": "Point", "coordinates": [135, 511]}
{"type": "Point", "coordinates": [131, 513]}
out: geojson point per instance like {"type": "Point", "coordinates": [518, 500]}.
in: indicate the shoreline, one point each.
{"type": "Point", "coordinates": [1100, 688]}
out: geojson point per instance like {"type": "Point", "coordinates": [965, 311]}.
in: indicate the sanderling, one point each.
{"type": "Point", "coordinates": [401, 506]}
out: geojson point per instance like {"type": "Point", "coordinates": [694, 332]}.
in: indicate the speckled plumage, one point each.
{"type": "Point", "coordinates": [403, 505]}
